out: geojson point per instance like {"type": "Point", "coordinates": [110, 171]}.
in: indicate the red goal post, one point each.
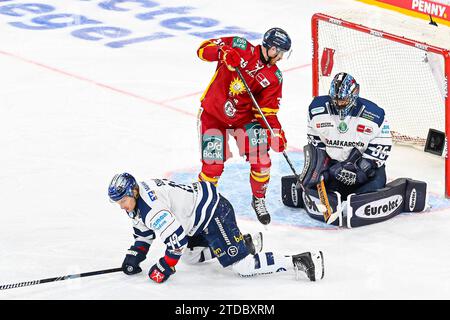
{"type": "Point", "coordinates": [408, 78]}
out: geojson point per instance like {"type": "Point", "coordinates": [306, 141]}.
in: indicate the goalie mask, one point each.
{"type": "Point", "coordinates": [344, 91]}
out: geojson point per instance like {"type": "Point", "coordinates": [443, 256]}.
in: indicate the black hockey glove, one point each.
{"type": "Point", "coordinates": [161, 271]}
{"type": "Point", "coordinates": [352, 174]}
{"type": "Point", "coordinates": [134, 257]}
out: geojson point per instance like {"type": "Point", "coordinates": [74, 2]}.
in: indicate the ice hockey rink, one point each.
{"type": "Point", "coordinates": [76, 108]}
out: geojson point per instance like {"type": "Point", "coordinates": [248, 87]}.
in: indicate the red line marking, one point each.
{"type": "Point", "coordinates": [162, 103]}
{"type": "Point", "coordinates": [99, 84]}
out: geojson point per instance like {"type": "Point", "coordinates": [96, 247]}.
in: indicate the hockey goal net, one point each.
{"type": "Point", "coordinates": [407, 77]}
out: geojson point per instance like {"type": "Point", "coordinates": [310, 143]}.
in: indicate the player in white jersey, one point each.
{"type": "Point", "coordinates": [352, 138]}
{"type": "Point", "coordinates": [196, 223]}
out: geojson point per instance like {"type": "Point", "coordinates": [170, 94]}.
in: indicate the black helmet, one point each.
{"type": "Point", "coordinates": [277, 37]}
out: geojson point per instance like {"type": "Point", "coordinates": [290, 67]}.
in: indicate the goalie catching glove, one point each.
{"type": "Point", "coordinates": [356, 170]}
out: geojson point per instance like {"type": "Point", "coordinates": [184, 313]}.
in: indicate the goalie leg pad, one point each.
{"type": "Point", "coordinates": [316, 163]}
{"type": "Point", "coordinates": [290, 195]}
{"type": "Point", "coordinates": [334, 199]}
{"type": "Point", "coordinates": [400, 195]}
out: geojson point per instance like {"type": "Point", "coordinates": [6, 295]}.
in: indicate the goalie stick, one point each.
{"type": "Point", "coordinates": [328, 214]}
{"type": "Point", "coordinates": [310, 203]}
{"type": "Point", "coordinates": [66, 277]}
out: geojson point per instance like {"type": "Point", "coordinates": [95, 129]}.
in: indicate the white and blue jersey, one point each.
{"type": "Point", "coordinates": [365, 128]}
{"type": "Point", "coordinates": [174, 212]}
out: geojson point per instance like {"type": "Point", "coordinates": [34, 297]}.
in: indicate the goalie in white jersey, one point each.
{"type": "Point", "coordinates": [196, 223]}
{"type": "Point", "coordinates": [350, 139]}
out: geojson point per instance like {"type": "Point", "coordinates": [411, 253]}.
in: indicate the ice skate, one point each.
{"type": "Point", "coordinates": [254, 243]}
{"type": "Point", "coordinates": [311, 263]}
{"type": "Point", "coordinates": [259, 205]}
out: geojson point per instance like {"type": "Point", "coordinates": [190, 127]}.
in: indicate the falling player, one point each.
{"type": "Point", "coordinates": [196, 223]}
{"type": "Point", "coordinates": [227, 109]}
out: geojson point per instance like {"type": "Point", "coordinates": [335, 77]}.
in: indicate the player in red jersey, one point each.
{"type": "Point", "coordinates": [227, 109]}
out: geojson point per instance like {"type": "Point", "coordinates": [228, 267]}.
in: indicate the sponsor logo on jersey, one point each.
{"type": "Point", "coordinates": [218, 252]}
{"type": "Point", "coordinates": [146, 187]}
{"type": "Point", "coordinates": [232, 251]}
{"type": "Point", "coordinates": [161, 221]}
{"type": "Point", "coordinates": [364, 129]}
{"type": "Point", "coordinates": [279, 76]}
{"type": "Point", "coordinates": [229, 109]}
{"type": "Point", "coordinates": [342, 127]}
{"type": "Point", "coordinates": [152, 195]}
{"type": "Point", "coordinates": [261, 78]}
{"type": "Point", "coordinates": [257, 136]}
{"type": "Point", "coordinates": [380, 208]}
{"type": "Point", "coordinates": [222, 231]}
{"type": "Point", "coordinates": [385, 129]}
{"type": "Point", "coordinates": [369, 115]}
{"type": "Point", "coordinates": [236, 87]}
{"type": "Point", "coordinates": [412, 199]}
{"type": "Point", "coordinates": [317, 110]}
{"type": "Point", "coordinates": [240, 43]}
{"type": "Point", "coordinates": [212, 147]}
{"type": "Point", "coordinates": [240, 238]}
{"type": "Point", "coordinates": [343, 143]}
{"type": "Point", "coordinates": [324, 125]}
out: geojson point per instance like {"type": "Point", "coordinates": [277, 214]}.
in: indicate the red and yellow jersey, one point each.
{"type": "Point", "coordinates": [226, 98]}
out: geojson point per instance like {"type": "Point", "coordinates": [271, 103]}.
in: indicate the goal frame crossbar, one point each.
{"type": "Point", "coordinates": [316, 18]}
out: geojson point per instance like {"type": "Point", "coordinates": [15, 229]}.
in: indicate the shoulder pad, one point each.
{"type": "Point", "coordinates": [371, 112]}
{"type": "Point", "coordinates": [318, 106]}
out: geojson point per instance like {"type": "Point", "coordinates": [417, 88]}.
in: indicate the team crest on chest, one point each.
{"type": "Point", "coordinates": [229, 109]}
{"type": "Point", "coordinates": [236, 87]}
{"type": "Point", "coordinates": [261, 78]}
{"type": "Point", "coordinates": [343, 127]}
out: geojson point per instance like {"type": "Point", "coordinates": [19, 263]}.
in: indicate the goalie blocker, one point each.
{"type": "Point", "coordinates": [400, 195]}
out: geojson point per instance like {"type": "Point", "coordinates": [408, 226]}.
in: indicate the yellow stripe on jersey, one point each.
{"type": "Point", "coordinates": [200, 51]}
{"type": "Point", "coordinates": [209, 84]}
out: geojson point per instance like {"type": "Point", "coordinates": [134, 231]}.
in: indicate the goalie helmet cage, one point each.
{"type": "Point", "coordinates": [408, 78]}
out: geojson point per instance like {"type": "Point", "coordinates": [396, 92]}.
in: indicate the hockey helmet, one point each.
{"type": "Point", "coordinates": [121, 185]}
{"type": "Point", "coordinates": [344, 90]}
{"type": "Point", "coordinates": [278, 38]}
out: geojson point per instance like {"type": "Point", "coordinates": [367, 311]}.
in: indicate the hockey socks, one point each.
{"type": "Point", "coordinates": [262, 263]}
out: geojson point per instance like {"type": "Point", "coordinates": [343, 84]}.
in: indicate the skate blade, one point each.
{"type": "Point", "coordinates": [319, 269]}
{"type": "Point", "coordinates": [258, 242]}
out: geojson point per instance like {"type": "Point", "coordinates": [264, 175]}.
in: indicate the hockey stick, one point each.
{"type": "Point", "coordinates": [323, 195]}
{"type": "Point", "coordinates": [310, 203]}
{"type": "Point", "coordinates": [67, 277]}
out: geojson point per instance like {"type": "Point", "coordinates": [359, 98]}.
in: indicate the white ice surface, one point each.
{"type": "Point", "coordinates": [74, 112]}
